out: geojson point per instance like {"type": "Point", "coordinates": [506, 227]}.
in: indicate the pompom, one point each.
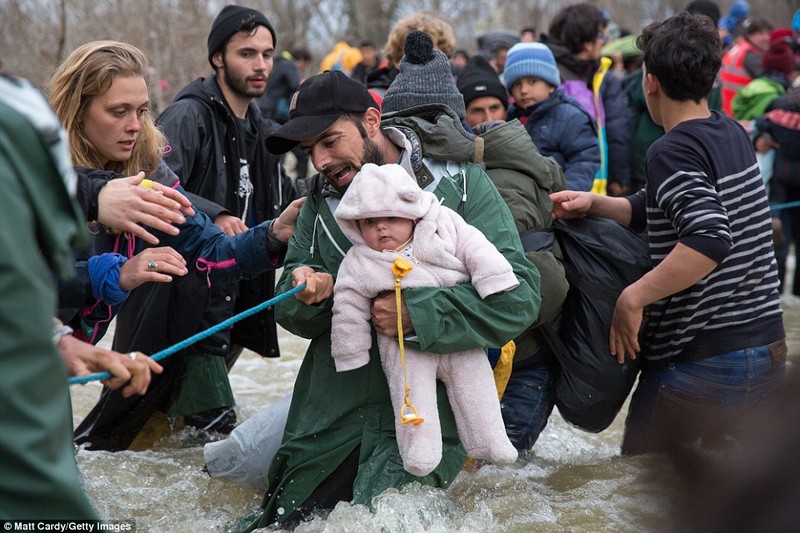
{"type": "Point", "coordinates": [418, 47]}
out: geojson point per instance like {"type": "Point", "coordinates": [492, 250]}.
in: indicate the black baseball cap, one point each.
{"type": "Point", "coordinates": [316, 105]}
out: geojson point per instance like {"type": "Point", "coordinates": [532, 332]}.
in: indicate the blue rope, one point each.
{"type": "Point", "coordinates": [99, 376]}
{"type": "Point", "coordinates": [778, 207]}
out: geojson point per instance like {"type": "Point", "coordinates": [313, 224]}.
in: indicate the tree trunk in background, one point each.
{"type": "Point", "coordinates": [371, 19]}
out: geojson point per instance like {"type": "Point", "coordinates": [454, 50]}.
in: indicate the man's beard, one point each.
{"type": "Point", "coordinates": [372, 154]}
{"type": "Point", "coordinates": [238, 85]}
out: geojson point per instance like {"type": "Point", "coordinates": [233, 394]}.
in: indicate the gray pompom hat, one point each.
{"type": "Point", "coordinates": [425, 78]}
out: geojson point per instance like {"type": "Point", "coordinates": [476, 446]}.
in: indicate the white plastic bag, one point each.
{"type": "Point", "coordinates": [244, 457]}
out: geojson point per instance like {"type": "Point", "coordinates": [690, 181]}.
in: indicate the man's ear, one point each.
{"type": "Point", "coordinates": [651, 86]}
{"type": "Point", "coordinates": [587, 49]}
{"type": "Point", "coordinates": [372, 121]}
{"type": "Point", "coordinates": [216, 59]}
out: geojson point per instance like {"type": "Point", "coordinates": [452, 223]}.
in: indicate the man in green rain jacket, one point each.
{"type": "Point", "coordinates": [38, 224]}
{"type": "Point", "coordinates": [339, 442]}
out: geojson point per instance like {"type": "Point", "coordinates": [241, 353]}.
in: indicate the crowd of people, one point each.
{"type": "Point", "coordinates": [430, 323]}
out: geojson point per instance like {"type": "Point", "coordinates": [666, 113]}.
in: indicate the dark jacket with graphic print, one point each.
{"type": "Point", "coordinates": [206, 144]}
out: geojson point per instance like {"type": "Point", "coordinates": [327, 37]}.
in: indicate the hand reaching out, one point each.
{"type": "Point", "coordinates": [283, 226]}
{"type": "Point", "coordinates": [229, 224]}
{"type": "Point", "coordinates": [570, 204]}
{"type": "Point", "coordinates": [125, 204]}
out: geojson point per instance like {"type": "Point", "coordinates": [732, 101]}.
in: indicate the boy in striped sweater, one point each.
{"type": "Point", "coordinates": [713, 338]}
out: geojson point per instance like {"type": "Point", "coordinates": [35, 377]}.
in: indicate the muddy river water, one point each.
{"type": "Point", "coordinates": [572, 481]}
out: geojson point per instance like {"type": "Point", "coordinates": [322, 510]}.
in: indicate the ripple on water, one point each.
{"type": "Point", "coordinates": [572, 481]}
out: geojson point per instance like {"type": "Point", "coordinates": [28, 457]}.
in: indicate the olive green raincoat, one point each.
{"type": "Point", "coordinates": [332, 413]}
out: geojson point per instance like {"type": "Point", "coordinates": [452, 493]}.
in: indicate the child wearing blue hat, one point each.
{"type": "Point", "coordinates": [557, 124]}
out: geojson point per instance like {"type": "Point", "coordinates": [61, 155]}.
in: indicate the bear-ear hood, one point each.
{"type": "Point", "coordinates": [382, 191]}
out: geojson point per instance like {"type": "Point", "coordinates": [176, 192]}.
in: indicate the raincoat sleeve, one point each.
{"type": "Point", "coordinates": [451, 319]}
{"type": "Point", "coordinates": [219, 257]}
{"type": "Point", "coordinates": [211, 253]}
{"type": "Point", "coordinates": [307, 321]}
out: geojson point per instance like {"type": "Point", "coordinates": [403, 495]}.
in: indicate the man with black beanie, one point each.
{"type": "Point", "coordinates": [216, 134]}
{"type": "Point", "coordinates": [485, 97]}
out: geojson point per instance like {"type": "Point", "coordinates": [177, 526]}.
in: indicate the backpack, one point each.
{"type": "Point", "coordinates": [601, 258]}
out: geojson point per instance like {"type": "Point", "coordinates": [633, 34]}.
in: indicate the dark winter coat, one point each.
{"type": "Point", "coordinates": [561, 129]}
{"type": "Point", "coordinates": [615, 103]}
{"type": "Point", "coordinates": [197, 124]}
{"type": "Point", "coordinates": [282, 83]}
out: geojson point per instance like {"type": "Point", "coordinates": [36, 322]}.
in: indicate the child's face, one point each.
{"type": "Point", "coordinates": [528, 91]}
{"type": "Point", "coordinates": [386, 233]}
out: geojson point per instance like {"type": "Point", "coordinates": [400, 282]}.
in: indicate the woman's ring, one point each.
{"type": "Point", "coordinates": [132, 356]}
{"type": "Point", "coordinates": [152, 265]}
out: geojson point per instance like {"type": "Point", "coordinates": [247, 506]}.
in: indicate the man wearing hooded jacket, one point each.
{"type": "Point", "coordinates": [216, 135]}
{"type": "Point", "coordinates": [339, 442]}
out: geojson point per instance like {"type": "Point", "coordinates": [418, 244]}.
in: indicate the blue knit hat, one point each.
{"type": "Point", "coordinates": [531, 59]}
{"type": "Point", "coordinates": [737, 13]}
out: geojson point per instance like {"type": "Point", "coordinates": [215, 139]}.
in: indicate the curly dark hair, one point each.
{"type": "Point", "coordinates": [575, 25]}
{"type": "Point", "coordinates": [684, 52]}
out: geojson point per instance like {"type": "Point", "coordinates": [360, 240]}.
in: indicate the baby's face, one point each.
{"type": "Point", "coordinates": [386, 233]}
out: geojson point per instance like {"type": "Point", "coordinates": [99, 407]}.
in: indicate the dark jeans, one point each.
{"type": "Point", "coordinates": [679, 403]}
{"type": "Point", "coordinates": [527, 404]}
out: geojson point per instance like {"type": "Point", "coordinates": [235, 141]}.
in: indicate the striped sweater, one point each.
{"type": "Point", "coordinates": [704, 190]}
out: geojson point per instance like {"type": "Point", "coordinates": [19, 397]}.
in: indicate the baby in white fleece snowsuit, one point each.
{"type": "Point", "coordinates": [387, 216]}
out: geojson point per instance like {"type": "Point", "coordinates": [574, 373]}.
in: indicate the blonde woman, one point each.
{"type": "Point", "coordinates": [80, 93]}
{"type": "Point", "coordinates": [100, 95]}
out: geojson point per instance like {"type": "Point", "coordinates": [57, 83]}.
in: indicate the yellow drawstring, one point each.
{"type": "Point", "coordinates": [408, 413]}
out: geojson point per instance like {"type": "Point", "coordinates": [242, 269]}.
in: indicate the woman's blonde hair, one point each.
{"type": "Point", "coordinates": [444, 38]}
{"type": "Point", "coordinates": [88, 72]}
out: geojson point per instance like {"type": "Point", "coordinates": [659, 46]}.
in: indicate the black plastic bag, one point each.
{"type": "Point", "coordinates": [601, 258]}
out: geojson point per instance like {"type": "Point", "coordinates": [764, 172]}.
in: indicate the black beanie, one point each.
{"type": "Point", "coordinates": [705, 7]}
{"type": "Point", "coordinates": [479, 79]}
{"type": "Point", "coordinates": [228, 22]}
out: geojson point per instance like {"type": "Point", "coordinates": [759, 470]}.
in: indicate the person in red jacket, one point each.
{"type": "Point", "coordinates": [742, 62]}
